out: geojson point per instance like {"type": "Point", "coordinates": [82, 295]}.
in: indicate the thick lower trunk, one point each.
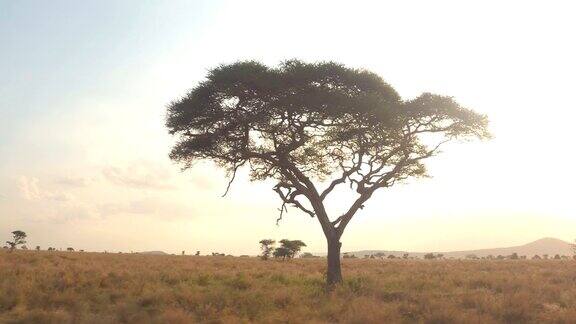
{"type": "Point", "coordinates": [334, 272]}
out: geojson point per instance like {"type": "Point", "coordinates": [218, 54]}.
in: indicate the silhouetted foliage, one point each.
{"type": "Point", "coordinates": [37, 247]}
{"type": "Point", "coordinates": [281, 252]}
{"type": "Point", "coordinates": [197, 253]}
{"type": "Point", "coordinates": [293, 246]}
{"type": "Point", "coordinates": [288, 249]}
{"type": "Point", "coordinates": [307, 255]}
{"type": "Point", "coordinates": [18, 238]}
{"type": "Point", "coordinates": [514, 256]}
{"type": "Point", "coordinates": [303, 122]}
{"type": "Point", "coordinates": [380, 255]}
{"type": "Point", "coordinates": [429, 256]}
{"type": "Point", "coordinates": [267, 246]}
{"type": "Point", "coordinates": [72, 250]}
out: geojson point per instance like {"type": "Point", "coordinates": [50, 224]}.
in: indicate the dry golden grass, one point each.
{"type": "Point", "coordinates": [62, 287]}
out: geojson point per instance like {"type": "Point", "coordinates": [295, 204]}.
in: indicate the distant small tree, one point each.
{"type": "Point", "coordinates": [405, 256]}
{"type": "Point", "coordinates": [536, 257]}
{"type": "Point", "coordinates": [293, 246]}
{"type": "Point", "coordinates": [19, 238]}
{"type": "Point", "coordinates": [472, 257]}
{"type": "Point", "coordinates": [24, 247]}
{"type": "Point", "coordinates": [557, 257]}
{"type": "Point", "coordinates": [429, 256]}
{"type": "Point", "coordinates": [37, 247]}
{"type": "Point", "coordinates": [391, 256]}
{"type": "Point", "coordinates": [72, 249]}
{"type": "Point", "coordinates": [307, 255]}
{"type": "Point", "coordinates": [267, 246]}
{"type": "Point", "coordinates": [281, 252]}
{"type": "Point", "coordinates": [440, 255]}
{"type": "Point", "coordinates": [545, 256]}
{"type": "Point", "coordinates": [514, 256]}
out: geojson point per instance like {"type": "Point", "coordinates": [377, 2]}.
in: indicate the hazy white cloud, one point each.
{"type": "Point", "coordinates": [30, 190]}
{"type": "Point", "coordinates": [139, 176]}
{"type": "Point", "coordinates": [148, 206]}
{"type": "Point", "coordinates": [208, 181]}
{"type": "Point", "coordinates": [72, 211]}
{"type": "Point", "coordinates": [73, 181]}
{"type": "Point", "coordinates": [59, 196]}
{"type": "Point", "coordinates": [28, 187]}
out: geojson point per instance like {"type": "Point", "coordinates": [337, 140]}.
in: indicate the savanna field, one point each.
{"type": "Point", "coordinates": [72, 287]}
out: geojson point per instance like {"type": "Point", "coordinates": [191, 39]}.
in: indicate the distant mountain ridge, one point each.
{"type": "Point", "coordinates": [548, 245]}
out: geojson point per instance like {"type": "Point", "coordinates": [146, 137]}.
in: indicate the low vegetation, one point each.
{"type": "Point", "coordinates": [73, 287]}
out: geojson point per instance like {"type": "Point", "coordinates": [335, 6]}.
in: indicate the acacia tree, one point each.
{"type": "Point", "coordinates": [292, 246]}
{"type": "Point", "coordinates": [312, 128]}
{"type": "Point", "coordinates": [267, 246]}
{"type": "Point", "coordinates": [19, 238]}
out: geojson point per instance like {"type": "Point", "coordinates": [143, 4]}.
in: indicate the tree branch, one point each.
{"type": "Point", "coordinates": [233, 176]}
{"type": "Point", "coordinates": [290, 198]}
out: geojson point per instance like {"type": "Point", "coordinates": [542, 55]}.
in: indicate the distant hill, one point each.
{"type": "Point", "coordinates": [550, 246]}
{"type": "Point", "coordinates": [154, 252]}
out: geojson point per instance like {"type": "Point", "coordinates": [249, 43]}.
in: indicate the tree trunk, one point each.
{"type": "Point", "coordinates": [334, 273]}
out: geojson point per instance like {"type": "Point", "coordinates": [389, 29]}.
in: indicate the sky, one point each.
{"type": "Point", "coordinates": [84, 150]}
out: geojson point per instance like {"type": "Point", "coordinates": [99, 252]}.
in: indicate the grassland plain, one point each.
{"type": "Point", "coordinates": [71, 287]}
